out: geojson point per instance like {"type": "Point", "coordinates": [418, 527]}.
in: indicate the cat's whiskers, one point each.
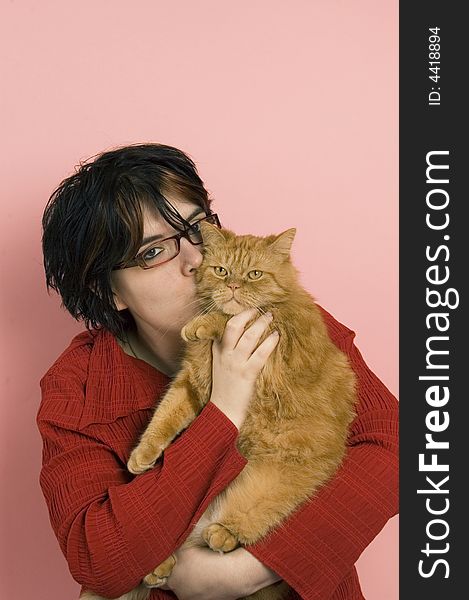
{"type": "Point", "coordinates": [186, 305]}
{"type": "Point", "coordinates": [206, 310]}
{"type": "Point", "coordinates": [253, 304]}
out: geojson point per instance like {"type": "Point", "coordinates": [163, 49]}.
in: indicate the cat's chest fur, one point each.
{"type": "Point", "coordinates": [259, 434]}
{"type": "Point", "coordinates": [268, 424]}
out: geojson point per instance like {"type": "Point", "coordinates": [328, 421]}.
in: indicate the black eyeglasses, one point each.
{"type": "Point", "coordinates": [167, 249]}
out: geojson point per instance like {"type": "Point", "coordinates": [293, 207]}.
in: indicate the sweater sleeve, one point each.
{"type": "Point", "coordinates": [317, 546]}
{"type": "Point", "coordinates": [114, 528]}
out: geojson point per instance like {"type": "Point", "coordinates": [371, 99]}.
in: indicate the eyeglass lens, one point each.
{"type": "Point", "coordinates": [168, 249]}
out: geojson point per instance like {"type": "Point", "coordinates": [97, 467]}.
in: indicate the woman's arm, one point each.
{"type": "Point", "coordinates": [201, 574]}
{"type": "Point", "coordinates": [318, 545]}
{"type": "Point", "coordinates": [113, 528]}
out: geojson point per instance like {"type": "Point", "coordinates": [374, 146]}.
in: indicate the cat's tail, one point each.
{"type": "Point", "coordinates": [139, 593]}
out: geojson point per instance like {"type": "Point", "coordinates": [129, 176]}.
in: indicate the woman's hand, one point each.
{"type": "Point", "coordinates": [237, 361]}
{"type": "Point", "coordinates": [201, 574]}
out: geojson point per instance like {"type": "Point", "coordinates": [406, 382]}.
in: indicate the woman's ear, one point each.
{"type": "Point", "coordinates": [120, 304]}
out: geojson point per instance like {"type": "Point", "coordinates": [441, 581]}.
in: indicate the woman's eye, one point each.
{"type": "Point", "coordinates": [195, 226]}
{"type": "Point", "coordinates": [255, 274]}
{"type": "Point", "coordinates": [152, 253]}
{"type": "Point", "coordinates": [220, 271]}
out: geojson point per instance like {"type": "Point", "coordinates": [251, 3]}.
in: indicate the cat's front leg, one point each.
{"type": "Point", "coordinates": [204, 327]}
{"type": "Point", "coordinates": [176, 411]}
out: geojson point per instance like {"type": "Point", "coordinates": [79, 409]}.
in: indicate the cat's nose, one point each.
{"type": "Point", "coordinates": [234, 286]}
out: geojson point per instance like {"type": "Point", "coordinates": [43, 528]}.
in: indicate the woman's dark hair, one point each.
{"type": "Point", "coordinates": [93, 221]}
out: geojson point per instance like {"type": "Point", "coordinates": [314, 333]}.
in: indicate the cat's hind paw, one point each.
{"type": "Point", "coordinates": [159, 576]}
{"type": "Point", "coordinates": [143, 458]}
{"type": "Point", "coordinates": [219, 538]}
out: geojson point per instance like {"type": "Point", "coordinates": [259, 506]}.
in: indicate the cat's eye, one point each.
{"type": "Point", "coordinates": [220, 271]}
{"type": "Point", "coordinates": [255, 274]}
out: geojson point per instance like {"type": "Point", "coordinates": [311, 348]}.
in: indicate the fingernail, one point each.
{"type": "Point", "coordinates": [276, 333]}
{"type": "Point", "coordinates": [269, 315]}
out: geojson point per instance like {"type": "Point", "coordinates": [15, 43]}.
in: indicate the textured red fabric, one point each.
{"type": "Point", "coordinates": [113, 528]}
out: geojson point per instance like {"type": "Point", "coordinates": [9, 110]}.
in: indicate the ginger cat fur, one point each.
{"type": "Point", "coordinates": [294, 435]}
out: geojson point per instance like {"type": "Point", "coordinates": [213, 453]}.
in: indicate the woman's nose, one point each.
{"type": "Point", "coordinates": [191, 256]}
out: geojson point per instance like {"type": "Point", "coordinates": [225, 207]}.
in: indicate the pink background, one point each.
{"type": "Point", "coordinates": [290, 112]}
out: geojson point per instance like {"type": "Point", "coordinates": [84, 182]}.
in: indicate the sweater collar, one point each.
{"type": "Point", "coordinates": [118, 384]}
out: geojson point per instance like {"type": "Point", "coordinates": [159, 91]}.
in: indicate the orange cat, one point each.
{"type": "Point", "coordinates": [294, 435]}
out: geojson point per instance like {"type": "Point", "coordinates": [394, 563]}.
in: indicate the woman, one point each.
{"type": "Point", "coordinates": [100, 229]}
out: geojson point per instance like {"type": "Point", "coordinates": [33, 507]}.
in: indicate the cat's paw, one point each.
{"type": "Point", "coordinates": [188, 333]}
{"type": "Point", "coordinates": [143, 458]}
{"type": "Point", "coordinates": [193, 332]}
{"type": "Point", "coordinates": [219, 538]}
{"type": "Point", "coordinates": [159, 576]}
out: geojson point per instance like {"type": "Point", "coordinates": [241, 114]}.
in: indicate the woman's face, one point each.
{"type": "Point", "coordinates": [162, 298]}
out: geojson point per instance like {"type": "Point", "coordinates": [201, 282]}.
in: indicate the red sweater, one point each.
{"type": "Point", "coordinates": [114, 528]}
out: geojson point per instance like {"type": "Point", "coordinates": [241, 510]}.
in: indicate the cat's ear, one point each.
{"type": "Point", "coordinates": [211, 233]}
{"type": "Point", "coordinates": [283, 241]}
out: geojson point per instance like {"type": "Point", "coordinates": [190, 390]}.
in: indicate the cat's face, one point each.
{"type": "Point", "coordinates": [239, 272]}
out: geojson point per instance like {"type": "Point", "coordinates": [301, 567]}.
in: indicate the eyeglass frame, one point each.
{"type": "Point", "coordinates": [135, 262]}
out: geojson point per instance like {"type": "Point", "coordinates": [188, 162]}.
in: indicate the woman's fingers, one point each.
{"type": "Point", "coordinates": [235, 327]}
{"type": "Point", "coordinates": [244, 341]}
{"type": "Point", "coordinates": [250, 338]}
{"type": "Point", "coordinates": [236, 362]}
{"type": "Point", "coordinates": [261, 354]}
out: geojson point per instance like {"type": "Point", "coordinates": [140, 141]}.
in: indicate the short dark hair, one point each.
{"type": "Point", "coordinates": [93, 221]}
